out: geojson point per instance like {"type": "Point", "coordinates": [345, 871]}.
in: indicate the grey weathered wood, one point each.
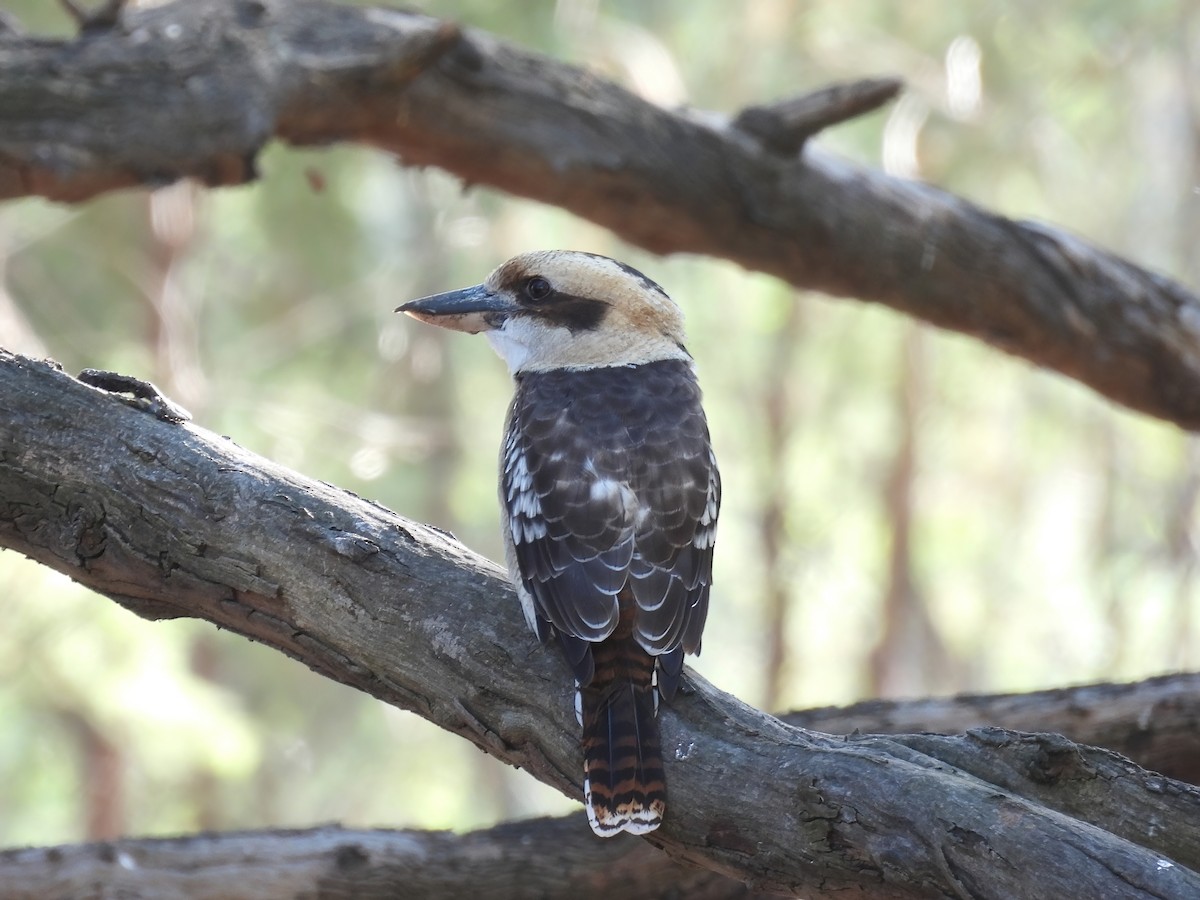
{"type": "Point", "coordinates": [536, 858]}
{"type": "Point", "coordinates": [197, 88]}
{"type": "Point", "coordinates": [171, 520]}
{"type": "Point", "coordinates": [785, 127]}
{"type": "Point", "coordinates": [1155, 722]}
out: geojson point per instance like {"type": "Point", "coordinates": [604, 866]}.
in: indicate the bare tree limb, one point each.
{"type": "Point", "coordinates": [106, 16]}
{"type": "Point", "coordinates": [198, 88]}
{"type": "Point", "coordinates": [170, 520]}
{"type": "Point", "coordinates": [784, 127]}
{"type": "Point", "coordinates": [1156, 722]}
{"type": "Point", "coordinates": [511, 860]}
{"type": "Point", "coordinates": [537, 858]}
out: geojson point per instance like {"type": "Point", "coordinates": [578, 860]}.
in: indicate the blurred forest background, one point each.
{"type": "Point", "coordinates": [907, 512]}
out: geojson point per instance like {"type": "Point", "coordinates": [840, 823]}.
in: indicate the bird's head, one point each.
{"type": "Point", "coordinates": [556, 309]}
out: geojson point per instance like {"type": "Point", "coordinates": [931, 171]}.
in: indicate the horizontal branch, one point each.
{"type": "Point", "coordinates": [537, 858]}
{"type": "Point", "coordinates": [1156, 722]}
{"type": "Point", "coordinates": [511, 860]}
{"type": "Point", "coordinates": [171, 520]}
{"type": "Point", "coordinates": [198, 88]}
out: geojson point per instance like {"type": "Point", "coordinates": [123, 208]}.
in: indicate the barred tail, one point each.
{"type": "Point", "coordinates": [623, 784]}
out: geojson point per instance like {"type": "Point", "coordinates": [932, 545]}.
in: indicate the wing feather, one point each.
{"type": "Point", "coordinates": [609, 479]}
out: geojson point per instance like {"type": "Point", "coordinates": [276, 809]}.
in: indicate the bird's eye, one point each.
{"type": "Point", "coordinates": [537, 288]}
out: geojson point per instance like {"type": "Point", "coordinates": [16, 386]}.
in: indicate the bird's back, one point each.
{"type": "Point", "coordinates": [610, 492]}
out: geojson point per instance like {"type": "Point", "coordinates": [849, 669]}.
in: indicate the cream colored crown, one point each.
{"type": "Point", "coordinates": [641, 323]}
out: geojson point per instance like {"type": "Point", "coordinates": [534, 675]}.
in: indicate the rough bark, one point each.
{"type": "Point", "coordinates": [171, 520]}
{"type": "Point", "coordinates": [511, 860]}
{"type": "Point", "coordinates": [538, 858]}
{"type": "Point", "coordinates": [1156, 723]}
{"type": "Point", "coordinates": [197, 89]}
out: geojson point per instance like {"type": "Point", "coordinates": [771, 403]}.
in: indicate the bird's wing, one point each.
{"type": "Point", "coordinates": [609, 480]}
{"type": "Point", "coordinates": [671, 570]}
{"type": "Point", "coordinates": [672, 566]}
{"type": "Point", "coordinates": [572, 542]}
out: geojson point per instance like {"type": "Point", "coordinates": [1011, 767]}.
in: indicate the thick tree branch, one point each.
{"type": "Point", "coordinates": [1156, 722]}
{"type": "Point", "coordinates": [197, 89]}
{"type": "Point", "coordinates": [511, 860]}
{"type": "Point", "coordinates": [537, 858]}
{"type": "Point", "coordinates": [171, 520]}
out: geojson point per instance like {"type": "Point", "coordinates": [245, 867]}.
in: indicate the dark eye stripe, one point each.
{"type": "Point", "coordinates": [571, 312]}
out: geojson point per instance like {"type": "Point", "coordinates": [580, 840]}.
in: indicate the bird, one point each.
{"type": "Point", "coordinates": [609, 496]}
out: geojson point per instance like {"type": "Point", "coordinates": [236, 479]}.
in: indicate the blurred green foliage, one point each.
{"type": "Point", "coordinates": [1052, 536]}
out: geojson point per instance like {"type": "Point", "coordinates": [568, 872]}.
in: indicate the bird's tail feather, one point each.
{"type": "Point", "coordinates": [623, 785]}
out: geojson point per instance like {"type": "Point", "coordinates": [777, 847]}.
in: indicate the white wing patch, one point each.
{"type": "Point", "coordinates": [605, 489]}
{"type": "Point", "coordinates": [706, 533]}
{"type": "Point", "coordinates": [525, 521]}
{"type": "Point", "coordinates": [523, 511]}
{"type": "Point", "coordinates": [516, 469]}
{"type": "Point", "coordinates": [525, 531]}
{"type": "Point", "coordinates": [610, 491]}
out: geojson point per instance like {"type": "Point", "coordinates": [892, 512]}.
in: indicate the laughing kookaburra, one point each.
{"type": "Point", "coordinates": [609, 491]}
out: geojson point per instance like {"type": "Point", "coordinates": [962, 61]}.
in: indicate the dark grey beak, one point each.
{"type": "Point", "coordinates": [472, 309]}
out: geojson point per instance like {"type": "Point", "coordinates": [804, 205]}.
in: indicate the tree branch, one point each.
{"type": "Point", "coordinates": [1156, 722]}
{"type": "Point", "coordinates": [509, 861]}
{"type": "Point", "coordinates": [106, 16]}
{"type": "Point", "coordinates": [784, 127]}
{"type": "Point", "coordinates": [171, 520]}
{"type": "Point", "coordinates": [198, 88]}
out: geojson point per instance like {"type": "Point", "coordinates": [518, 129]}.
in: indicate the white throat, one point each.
{"type": "Point", "coordinates": [508, 342]}
{"type": "Point", "coordinates": [529, 344]}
